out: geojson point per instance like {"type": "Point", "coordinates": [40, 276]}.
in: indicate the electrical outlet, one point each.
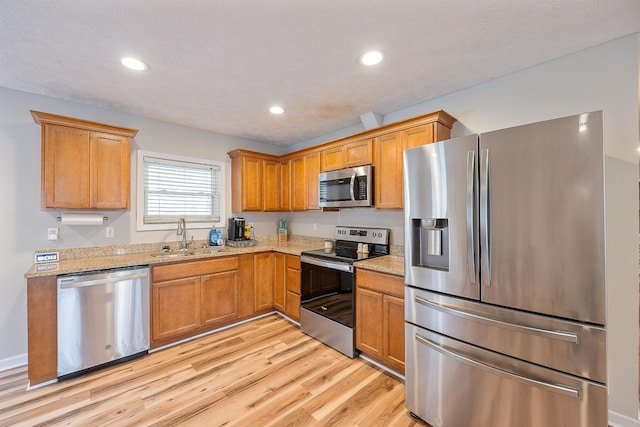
{"type": "Point", "coordinates": [52, 233]}
{"type": "Point", "coordinates": [315, 227]}
{"type": "Point", "coordinates": [110, 231]}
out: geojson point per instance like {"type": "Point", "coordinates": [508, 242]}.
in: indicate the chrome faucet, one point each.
{"type": "Point", "coordinates": [182, 231]}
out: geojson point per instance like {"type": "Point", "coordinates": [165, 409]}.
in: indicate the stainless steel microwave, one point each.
{"type": "Point", "coordinates": [346, 188]}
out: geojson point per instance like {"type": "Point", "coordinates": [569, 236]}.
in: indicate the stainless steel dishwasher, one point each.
{"type": "Point", "coordinates": [103, 316]}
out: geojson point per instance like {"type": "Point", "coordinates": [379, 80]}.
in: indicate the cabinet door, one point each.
{"type": "Point", "coordinates": [393, 332]}
{"type": "Point", "coordinates": [388, 171]}
{"type": "Point", "coordinates": [279, 281]}
{"type": "Point", "coordinates": [109, 170]}
{"type": "Point", "coordinates": [285, 186]}
{"type": "Point", "coordinates": [175, 308]}
{"type": "Point", "coordinates": [312, 169]}
{"type": "Point", "coordinates": [247, 285]}
{"type": "Point", "coordinates": [292, 299]}
{"type": "Point", "coordinates": [252, 184]}
{"type": "Point", "coordinates": [298, 185]}
{"type": "Point", "coordinates": [419, 135]}
{"type": "Point", "coordinates": [359, 153]}
{"type": "Point", "coordinates": [219, 297]}
{"type": "Point", "coordinates": [271, 185]}
{"type": "Point", "coordinates": [334, 158]}
{"type": "Point", "coordinates": [292, 308]}
{"type": "Point", "coordinates": [65, 167]}
{"type": "Point", "coordinates": [263, 266]}
{"type": "Point", "coordinates": [369, 317]}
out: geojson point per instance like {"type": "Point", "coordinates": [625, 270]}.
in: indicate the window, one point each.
{"type": "Point", "coordinates": [172, 187]}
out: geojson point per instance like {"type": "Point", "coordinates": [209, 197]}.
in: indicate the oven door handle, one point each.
{"type": "Point", "coordinates": [328, 264]}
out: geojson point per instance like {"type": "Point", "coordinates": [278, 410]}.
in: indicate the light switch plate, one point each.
{"type": "Point", "coordinates": [46, 257]}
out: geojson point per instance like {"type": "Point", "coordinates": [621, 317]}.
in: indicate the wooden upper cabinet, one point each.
{"type": "Point", "coordinates": [312, 169]}
{"type": "Point", "coordinates": [298, 184]}
{"type": "Point", "coordinates": [359, 153]}
{"type": "Point", "coordinates": [247, 194]}
{"type": "Point", "coordinates": [272, 183]}
{"type": "Point", "coordinates": [388, 171]}
{"type": "Point", "coordinates": [285, 185]}
{"type": "Point", "coordinates": [256, 182]}
{"type": "Point", "coordinates": [263, 182]}
{"type": "Point", "coordinates": [419, 135]}
{"type": "Point", "coordinates": [353, 154]}
{"type": "Point", "coordinates": [110, 170]}
{"type": "Point", "coordinates": [84, 165]}
{"type": "Point", "coordinates": [334, 158]}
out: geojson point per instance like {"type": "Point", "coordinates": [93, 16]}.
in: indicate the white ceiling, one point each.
{"type": "Point", "coordinates": [219, 65]}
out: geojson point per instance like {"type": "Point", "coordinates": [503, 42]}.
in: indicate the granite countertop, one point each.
{"type": "Point", "coordinates": [390, 264]}
{"type": "Point", "coordinates": [103, 262]}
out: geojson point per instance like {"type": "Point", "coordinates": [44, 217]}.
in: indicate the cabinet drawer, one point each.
{"type": "Point", "coordinates": [293, 262]}
{"type": "Point", "coordinates": [492, 389]}
{"type": "Point", "coordinates": [571, 347]}
{"type": "Point", "coordinates": [161, 273]}
{"type": "Point", "coordinates": [380, 282]}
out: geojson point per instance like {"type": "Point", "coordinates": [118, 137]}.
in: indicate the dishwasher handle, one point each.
{"type": "Point", "coordinates": [76, 282]}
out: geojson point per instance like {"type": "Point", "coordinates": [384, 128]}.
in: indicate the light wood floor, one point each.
{"type": "Point", "coordinates": [263, 373]}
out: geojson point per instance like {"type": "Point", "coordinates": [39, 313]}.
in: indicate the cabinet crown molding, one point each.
{"type": "Point", "coordinates": [42, 118]}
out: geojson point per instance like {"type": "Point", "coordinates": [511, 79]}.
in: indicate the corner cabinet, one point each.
{"type": "Point", "coordinates": [380, 317]}
{"type": "Point", "coordinates": [84, 165]}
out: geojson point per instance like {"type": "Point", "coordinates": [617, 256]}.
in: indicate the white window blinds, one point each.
{"type": "Point", "coordinates": [178, 189]}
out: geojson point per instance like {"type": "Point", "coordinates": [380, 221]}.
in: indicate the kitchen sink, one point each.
{"type": "Point", "coordinates": [181, 253]}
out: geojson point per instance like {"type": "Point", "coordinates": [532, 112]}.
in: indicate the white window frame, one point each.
{"type": "Point", "coordinates": [141, 226]}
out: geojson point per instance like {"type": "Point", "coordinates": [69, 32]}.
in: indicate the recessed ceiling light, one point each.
{"type": "Point", "coordinates": [372, 57]}
{"type": "Point", "coordinates": [276, 109]}
{"type": "Point", "coordinates": [134, 63]}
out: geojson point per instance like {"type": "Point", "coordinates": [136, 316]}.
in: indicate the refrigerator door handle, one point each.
{"type": "Point", "coordinates": [546, 333]}
{"type": "Point", "coordinates": [485, 216]}
{"type": "Point", "coordinates": [555, 388]}
{"type": "Point", "coordinates": [471, 181]}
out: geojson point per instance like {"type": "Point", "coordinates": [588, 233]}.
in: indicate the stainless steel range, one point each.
{"type": "Point", "coordinates": [328, 282]}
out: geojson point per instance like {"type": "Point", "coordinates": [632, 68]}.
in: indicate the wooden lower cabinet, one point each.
{"type": "Point", "coordinates": [175, 308]}
{"type": "Point", "coordinates": [380, 317]}
{"type": "Point", "coordinates": [279, 274]}
{"type": "Point", "coordinates": [292, 286]}
{"type": "Point", "coordinates": [42, 329]}
{"type": "Point", "coordinates": [286, 287]}
{"type": "Point", "coordinates": [219, 299]}
{"type": "Point", "coordinates": [263, 271]}
{"type": "Point", "coordinates": [208, 297]}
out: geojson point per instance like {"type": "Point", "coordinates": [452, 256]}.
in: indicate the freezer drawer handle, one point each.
{"type": "Point", "coordinates": [105, 281]}
{"type": "Point", "coordinates": [555, 388]}
{"type": "Point", "coordinates": [546, 333]}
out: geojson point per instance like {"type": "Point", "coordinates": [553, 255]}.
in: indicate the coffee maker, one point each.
{"type": "Point", "coordinates": [236, 228]}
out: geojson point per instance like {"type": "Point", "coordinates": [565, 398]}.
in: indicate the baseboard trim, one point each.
{"type": "Point", "coordinates": [381, 366]}
{"type": "Point", "coordinates": [13, 362]}
{"type": "Point", "coordinates": [619, 420]}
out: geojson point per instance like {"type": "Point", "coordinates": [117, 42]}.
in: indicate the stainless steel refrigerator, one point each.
{"type": "Point", "coordinates": [505, 273]}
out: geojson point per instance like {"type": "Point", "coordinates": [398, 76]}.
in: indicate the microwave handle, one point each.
{"type": "Point", "coordinates": [351, 188]}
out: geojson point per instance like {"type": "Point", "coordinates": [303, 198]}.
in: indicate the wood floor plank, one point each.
{"type": "Point", "coordinates": [263, 373]}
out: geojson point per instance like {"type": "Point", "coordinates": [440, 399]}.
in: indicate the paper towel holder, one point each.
{"type": "Point", "coordinates": [104, 218]}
